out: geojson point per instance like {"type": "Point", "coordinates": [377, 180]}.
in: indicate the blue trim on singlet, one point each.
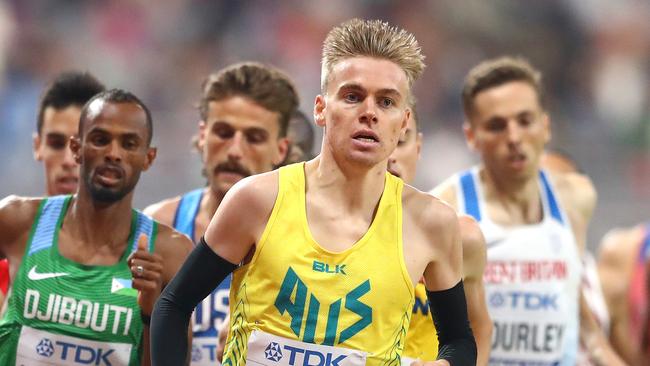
{"type": "Point", "coordinates": [468, 187]}
{"type": "Point", "coordinates": [550, 198]}
{"type": "Point", "coordinates": [644, 252]}
{"type": "Point", "coordinates": [186, 212]}
{"type": "Point", "coordinates": [46, 226]}
{"type": "Point", "coordinates": [144, 225]}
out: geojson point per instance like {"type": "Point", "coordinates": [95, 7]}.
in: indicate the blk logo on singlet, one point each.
{"type": "Point", "coordinates": [326, 268]}
{"type": "Point", "coordinates": [298, 306]}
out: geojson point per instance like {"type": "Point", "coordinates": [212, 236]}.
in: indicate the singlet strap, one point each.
{"type": "Point", "coordinates": [47, 221]}
{"type": "Point", "coordinates": [468, 194]}
{"type": "Point", "coordinates": [553, 206]}
{"type": "Point", "coordinates": [186, 212]}
{"type": "Point", "coordinates": [144, 225]}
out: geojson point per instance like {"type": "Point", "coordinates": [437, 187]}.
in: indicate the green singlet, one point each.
{"type": "Point", "coordinates": [64, 313]}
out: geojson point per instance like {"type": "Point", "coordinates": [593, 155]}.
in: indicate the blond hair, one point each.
{"type": "Point", "coordinates": [495, 72]}
{"type": "Point", "coordinates": [372, 38]}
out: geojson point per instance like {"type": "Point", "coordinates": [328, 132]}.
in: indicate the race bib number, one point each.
{"type": "Point", "coordinates": [37, 347]}
{"type": "Point", "coordinates": [266, 349]}
{"type": "Point", "coordinates": [530, 327]}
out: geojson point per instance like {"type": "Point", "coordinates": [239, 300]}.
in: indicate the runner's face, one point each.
{"type": "Point", "coordinates": [239, 138]}
{"type": "Point", "coordinates": [404, 159]}
{"type": "Point", "coordinates": [113, 149]}
{"type": "Point", "coordinates": [364, 110]}
{"type": "Point", "coordinates": [51, 147]}
{"type": "Point", "coordinates": [509, 128]}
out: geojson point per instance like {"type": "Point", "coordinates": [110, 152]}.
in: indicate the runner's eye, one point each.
{"type": "Point", "coordinates": [223, 130]}
{"type": "Point", "coordinates": [256, 135]}
{"type": "Point", "coordinates": [352, 98]}
{"type": "Point", "coordinates": [56, 142]}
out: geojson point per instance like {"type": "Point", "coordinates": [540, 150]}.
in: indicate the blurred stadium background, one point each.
{"type": "Point", "coordinates": [595, 56]}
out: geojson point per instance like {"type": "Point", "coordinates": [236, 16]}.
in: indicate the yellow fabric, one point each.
{"type": "Point", "coordinates": [421, 339]}
{"type": "Point", "coordinates": [293, 288]}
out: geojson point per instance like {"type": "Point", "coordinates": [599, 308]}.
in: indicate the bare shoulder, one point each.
{"type": "Point", "coordinates": [618, 246]}
{"type": "Point", "coordinates": [470, 229]}
{"type": "Point", "coordinates": [429, 212]}
{"type": "Point", "coordinates": [170, 243]}
{"type": "Point", "coordinates": [446, 191]}
{"type": "Point", "coordinates": [249, 201]}
{"type": "Point", "coordinates": [163, 211]}
{"type": "Point", "coordinates": [474, 248]}
{"type": "Point", "coordinates": [255, 194]}
{"type": "Point", "coordinates": [576, 191]}
{"type": "Point", "coordinates": [17, 213]}
{"type": "Point", "coordinates": [16, 218]}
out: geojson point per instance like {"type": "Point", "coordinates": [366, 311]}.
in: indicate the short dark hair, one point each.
{"type": "Point", "coordinates": [118, 96]}
{"type": "Point", "coordinates": [71, 88]}
{"type": "Point", "coordinates": [264, 85]}
{"type": "Point", "coordinates": [499, 71]}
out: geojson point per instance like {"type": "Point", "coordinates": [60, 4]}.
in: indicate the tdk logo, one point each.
{"type": "Point", "coordinates": [324, 267]}
{"type": "Point", "coordinates": [75, 352]}
{"type": "Point", "coordinates": [273, 352]}
{"type": "Point", "coordinates": [524, 300]}
{"type": "Point", "coordinates": [45, 348]}
{"type": "Point", "coordinates": [196, 354]}
{"type": "Point", "coordinates": [302, 357]}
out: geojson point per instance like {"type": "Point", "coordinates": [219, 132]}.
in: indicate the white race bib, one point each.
{"type": "Point", "coordinates": [204, 351]}
{"type": "Point", "coordinates": [407, 361]}
{"type": "Point", "coordinates": [37, 347]}
{"type": "Point", "coordinates": [270, 350]}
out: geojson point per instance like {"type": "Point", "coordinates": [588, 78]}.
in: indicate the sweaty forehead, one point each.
{"type": "Point", "coordinates": [125, 117]}
{"type": "Point", "coordinates": [242, 112]}
{"type": "Point", "coordinates": [370, 73]}
{"type": "Point", "coordinates": [506, 100]}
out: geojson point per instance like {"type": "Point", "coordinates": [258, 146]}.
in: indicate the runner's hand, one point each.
{"type": "Point", "coordinates": [146, 269]}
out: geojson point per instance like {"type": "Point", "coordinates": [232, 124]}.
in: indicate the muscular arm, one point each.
{"type": "Point", "coordinates": [615, 263]}
{"type": "Point", "coordinates": [226, 243]}
{"type": "Point", "coordinates": [445, 289]}
{"type": "Point", "coordinates": [474, 259]}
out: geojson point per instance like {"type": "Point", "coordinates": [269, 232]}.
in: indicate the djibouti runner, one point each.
{"type": "Point", "coordinates": [421, 340]}
{"type": "Point", "coordinates": [534, 222]}
{"type": "Point", "coordinates": [90, 266]}
{"type": "Point", "coordinates": [331, 249]}
{"type": "Point", "coordinates": [58, 119]}
{"type": "Point", "coordinates": [245, 110]}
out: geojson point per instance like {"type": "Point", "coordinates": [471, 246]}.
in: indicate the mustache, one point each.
{"type": "Point", "coordinates": [232, 167]}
